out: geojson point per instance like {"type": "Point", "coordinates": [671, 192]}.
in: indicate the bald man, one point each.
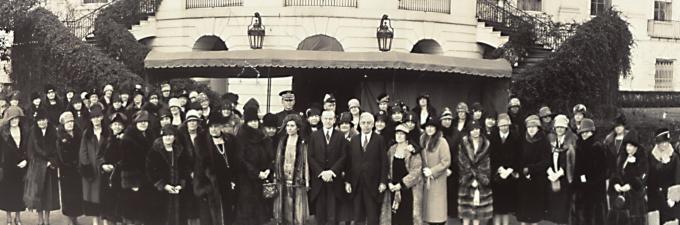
{"type": "Point", "coordinates": [367, 174]}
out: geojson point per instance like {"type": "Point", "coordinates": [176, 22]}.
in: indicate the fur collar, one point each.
{"type": "Point", "coordinates": [430, 143]}
{"type": "Point", "coordinates": [482, 149]}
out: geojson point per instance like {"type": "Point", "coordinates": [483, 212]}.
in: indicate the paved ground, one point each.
{"type": "Point", "coordinates": [31, 218]}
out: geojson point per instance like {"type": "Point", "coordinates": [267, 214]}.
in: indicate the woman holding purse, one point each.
{"type": "Point", "coordinates": [627, 190]}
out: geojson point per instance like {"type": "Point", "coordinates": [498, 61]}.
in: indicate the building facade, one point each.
{"type": "Point", "coordinates": [655, 25]}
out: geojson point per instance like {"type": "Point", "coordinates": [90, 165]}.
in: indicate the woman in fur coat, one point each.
{"type": "Point", "coordinates": [109, 161]}
{"type": "Point", "coordinates": [168, 169]}
{"type": "Point", "coordinates": [404, 203]}
{"type": "Point", "coordinates": [215, 174]}
{"type": "Point", "coordinates": [68, 149]}
{"type": "Point", "coordinates": [475, 200]}
{"type": "Point", "coordinates": [42, 185]}
{"type": "Point", "coordinates": [256, 167]}
{"type": "Point", "coordinates": [13, 152]}
{"type": "Point", "coordinates": [627, 186]}
{"type": "Point", "coordinates": [135, 200]}
{"type": "Point", "coordinates": [292, 175]}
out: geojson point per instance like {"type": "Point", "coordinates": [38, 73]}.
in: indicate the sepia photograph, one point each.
{"type": "Point", "coordinates": [339, 112]}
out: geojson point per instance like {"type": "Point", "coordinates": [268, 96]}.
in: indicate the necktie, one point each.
{"type": "Point", "coordinates": [328, 136]}
{"type": "Point", "coordinates": [364, 143]}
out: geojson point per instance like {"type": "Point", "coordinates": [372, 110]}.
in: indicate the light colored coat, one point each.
{"type": "Point", "coordinates": [413, 182]}
{"type": "Point", "coordinates": [435, 195]}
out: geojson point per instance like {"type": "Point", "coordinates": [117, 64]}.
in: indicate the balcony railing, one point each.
{"type": "Point", "coordinates": [84, 25]}
{"type": "Point", "coordinates": [547, 34]}
{"type": "Point", "coordinates": [336, 3]}
{"type": "Point", "coordinates": [663, 29]}
{"type": "Point", "coordinates": [438, 6]}
{"type": "Point", "coordinates": [191, 4]}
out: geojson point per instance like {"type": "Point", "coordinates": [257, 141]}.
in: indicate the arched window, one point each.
{"type": "Point", "coordinates": [210, 43]}
{"type": "Point", "coordinates": [320, 42]}
{"type": "Point", "coordinates": [427, 46]}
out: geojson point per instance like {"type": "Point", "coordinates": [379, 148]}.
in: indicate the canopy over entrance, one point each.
{"type": "Point", "coordinates": [166, 65]}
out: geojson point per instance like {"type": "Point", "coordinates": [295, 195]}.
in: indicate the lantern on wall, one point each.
{"type": "Point", "coordinates": [385, 34]}
{"type": "Point", "coordinates": [256, 32]}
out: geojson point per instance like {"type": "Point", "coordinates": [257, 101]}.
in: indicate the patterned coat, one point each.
{"type": "Point", "coordinates": [475, 164]}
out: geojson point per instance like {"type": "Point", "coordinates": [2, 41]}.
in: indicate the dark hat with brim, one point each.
{"type": "Point", "coordinates": [662, 135]}
{"type": "Point", "coordinates": [270, 120]}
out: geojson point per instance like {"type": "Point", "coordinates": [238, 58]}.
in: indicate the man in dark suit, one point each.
{"type": "Point", "coordinates": [327, 155]}
{"type": "Point", "coordinates": [367, 173]}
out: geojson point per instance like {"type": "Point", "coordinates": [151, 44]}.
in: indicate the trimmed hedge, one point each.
{"type": "Point", "coordinates": [48, 53]}
{"type": "Point", "coordinates": [585, 69]}
{"type": "Point", "coordinates": [112, 35]}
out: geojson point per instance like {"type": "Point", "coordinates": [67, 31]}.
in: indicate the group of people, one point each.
{"type": "Point", "coordinates": [131, 157]}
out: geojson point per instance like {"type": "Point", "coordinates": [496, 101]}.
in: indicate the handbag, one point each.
{"type": "Point", "coordinates": [269, 189]}
{"type": "Point", "coordinates": [620, 202]}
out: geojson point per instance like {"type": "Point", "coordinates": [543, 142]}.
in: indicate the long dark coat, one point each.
{"type": "Point", "coordinates": [532, 182]}
{"type": "Point", "coordinates": [634, 174]}
{"type": "Point", "coordinates": [41, 187]}
{"type": "Point", "coordinates": [255, 157]}
{"type": "Point", "coordinates": [213, 175]}
{"type": "Point", "coordinates": [135, 204]}
{"type": "Point", "coordinates": [454, 136]}
{"type": "Point", "coordinates": [12, 182]}
{"type": "Point", "coordinates": [559, 199]}
{"type": "Point", "coordinates": [168, 168]}
{"type": "Point", "coordinates": [68, 147]}
{"type": "Point", "coordinates": [111, 190]}
{"type": "Point", "coordinates": [90, 149]}
{"type": "Point", "coordinates": [660, 177]}
{"type": "Point", "coordinates": [506, 154]}
{"type": "Point", "coordinates": [589, 182]}
{"type": "Point", "coordinates": [190, 201]}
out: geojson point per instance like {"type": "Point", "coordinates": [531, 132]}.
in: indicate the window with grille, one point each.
{"type": "Point", "coordinates": [663, 78]}
{"type": "Point", "coordinates": [529, 5]}
{"type": "Point", "coordinates": [662, 10]}
{"type": "Point", "coordinates": [598, 7]}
